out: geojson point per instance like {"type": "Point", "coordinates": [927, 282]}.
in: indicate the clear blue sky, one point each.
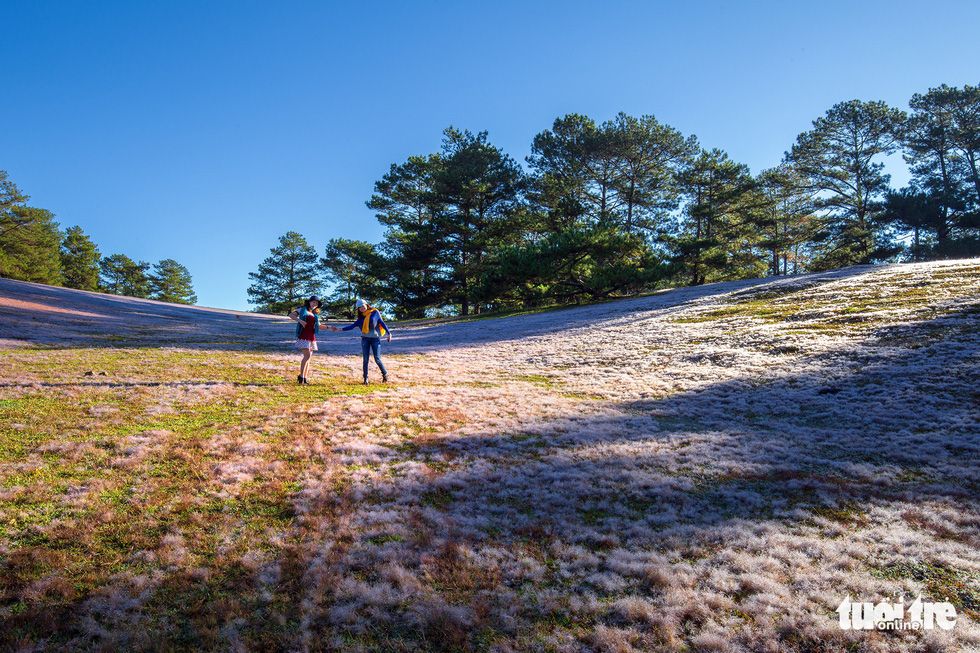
{"type": "Point", "coordinates": [203, 131]}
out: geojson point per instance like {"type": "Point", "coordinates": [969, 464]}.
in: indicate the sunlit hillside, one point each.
{"type": "Point", "coordinates": [704, 469]}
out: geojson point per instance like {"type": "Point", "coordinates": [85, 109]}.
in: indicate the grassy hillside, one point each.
{"type": "Point", "coordinates": [708, 469]}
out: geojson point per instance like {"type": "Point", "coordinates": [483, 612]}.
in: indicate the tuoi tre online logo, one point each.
{"type": "Point", "coordinates": [891, 616]}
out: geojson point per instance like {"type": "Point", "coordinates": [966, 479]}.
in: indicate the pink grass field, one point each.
{"type": "Point", "coordinates": [702, 469]}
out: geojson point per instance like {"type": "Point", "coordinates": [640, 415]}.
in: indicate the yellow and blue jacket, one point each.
{"type": "Point", "coordinates": [371, 325]}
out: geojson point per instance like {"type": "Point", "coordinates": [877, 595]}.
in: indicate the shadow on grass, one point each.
{"type": "Point", "coordinates": [47, 316]}
{"type": "Point", "coordinates": [892, 421]}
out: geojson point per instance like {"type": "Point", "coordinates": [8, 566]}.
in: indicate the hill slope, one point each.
{"type": "Point", "coordinates": [705, 469]}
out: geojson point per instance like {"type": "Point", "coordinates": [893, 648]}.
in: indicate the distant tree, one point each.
{"type": "Point", "coordinates": [478, 188]}
{"type": "Point", "coordinates": [29, 249]}
{"type": "Point", "coordinates": [122, 275]}
{"type": "Point", "coordinates": [79, 260]}
{"type": "Point", "coordinates": [941, 206]}
{"type": "Point", "coordinates": [11, 198]}
{"type": "Point", "coordinates": [287, 277]}
{"type": "Point", "coordinates": [574, 173]}
{"type": "Point", "coordinates": [573, 265]}
{"type": "Point", "coordinates": [623, 172]}
{"type": "Point", "coordinates": [596, 187]}
{"type": "Point", "coordinates": [29, 238]}
{"type": "Point", "coordinates": [417, 277]}
{"type": "Point", "coordinates": [171, 282]}
{"type": "Point", "coordinates": [839, 160]}
{"type": "Point", "coordinates": [352, 266]}
{"type": "Point", "coordinates": [785, 218]}
{"type": "Point", "coordinates": [718, 239]}
{"type": "Point", "coordinates": [647, 157]}
{"type": "Point", "coordinates": [966, 133]}
{"type": "Point", "coordinates": [922, 214]}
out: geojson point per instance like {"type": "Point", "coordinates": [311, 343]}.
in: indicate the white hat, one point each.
{"type": "Point", "coordinates": [359, 303]}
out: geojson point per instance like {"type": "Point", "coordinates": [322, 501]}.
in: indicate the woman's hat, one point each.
{"type": "Point", "coordinates": [359, 303]}
{"type": "Point", "coordinates": [314, 298]}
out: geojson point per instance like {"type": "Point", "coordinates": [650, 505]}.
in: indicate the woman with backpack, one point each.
{"type": "Point", "coordinates": [308, 319]}
{"type": "Point", "coordinates": [373, 328]}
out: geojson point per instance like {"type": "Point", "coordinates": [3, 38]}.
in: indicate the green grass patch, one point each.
{"type": "Point", "coordinates": [940, 581]}
{"type": "Point", "coordinates": [439, 499]}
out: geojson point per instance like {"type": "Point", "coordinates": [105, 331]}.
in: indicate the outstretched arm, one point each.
{"type": "Point", "coordinates": [356, 324]}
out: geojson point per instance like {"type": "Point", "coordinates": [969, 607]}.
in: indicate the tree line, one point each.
{"type": "Point", "coordinates": [34, 248]}
{"type": "Point", "coordinates": [629, 205]}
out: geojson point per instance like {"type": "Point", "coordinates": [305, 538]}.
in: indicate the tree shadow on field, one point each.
{"type": "Point", "coordinates": [897, 419]}
{"type": "Point", "coordinates": [891, 420]}
{"type": "Point", "coordinates": [441, 337]}
{"type": "Point", "coordinates": [50, 316]}
{"type": "Point", "coordinates": [35, 314]}
{"type": "Point", "coordinates": [582, 505]}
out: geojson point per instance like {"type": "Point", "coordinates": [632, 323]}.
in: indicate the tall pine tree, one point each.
{"type": "Point", "coordinates": [416, 278]}
{"type": "Point", "coordinates": [718, 240]}
{"type": "Point", "coordinates": [479, 189]}
{"type": "Point", "coordinates": [352, 267]}
{"type": "Point", "coordinates": [287, 277]}
{"type": "Point", "coordinates": [29, 238]}
{"type": "Point", "coordinates": [841, 161]}
{"type": "Point", "coordinates": [941, 206]}
{"type": "Point", "coordinates": [785, 219]}
{"type": "Point", "coordinates": [171, 282]}
{"type": "Point", "coordinates": [122, 275]}
{"type": "Point", "coordinates": [79, 260]}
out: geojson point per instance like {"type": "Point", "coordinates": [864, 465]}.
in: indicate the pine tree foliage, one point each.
{"type": "Point", "coordinates": [841, 161]}
{"type": "Point", "coordinates": [717, 240]}
{"type": "Point", "coordinates": [623, 172]}
{"type": "Point", "coordinates": [941, 207]}
{"type": "Point", "coordinates": [350, 266]}
{"type": "Point", "coordinates": [478, 189]}
{"type": "Point", "coordinates": [79, 260]}
{"type": "Point", "coordinates": [415, 278]}
{"type": "Point", "coordinates": [29, 238]}
{"type": "Point", "coordinates": [171, 282]}
{"type": "Point", "coordinates": [287, 277]}
{"type": "Point", "coordinates": [122, 275]}
{"type": "Point", "coordinates": [785, 218]}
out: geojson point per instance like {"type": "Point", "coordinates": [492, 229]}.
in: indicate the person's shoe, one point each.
{"type": "Point", "coordinates": [384, 379]}
{"type": "Point", "coordinates": [300, 380]}
{"type": "Point", "coordinates": [365, 382]}
{"type": "Point", "coordinates": [306, 381]}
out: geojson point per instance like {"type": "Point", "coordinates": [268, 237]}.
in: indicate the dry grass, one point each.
{"type": "Point", "coordinates": [709, 470]}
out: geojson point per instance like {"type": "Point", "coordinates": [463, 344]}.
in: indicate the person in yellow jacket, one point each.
{"type": "Point", "coordinates": [373, 328]}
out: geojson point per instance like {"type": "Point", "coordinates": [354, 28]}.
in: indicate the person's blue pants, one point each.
{"type": "Point", "coordinates": [369, 345]}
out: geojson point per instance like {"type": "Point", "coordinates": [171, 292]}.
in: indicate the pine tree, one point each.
{"type": "Point", "coordinates": [478, 188]}
{"type": "Point", "coordinates": [718, 240]}
{"type": "Point", "coordinates": [79, 260]}
{"type": "Point", "coordinates": [415, 278]}
{"type": "Point", "coordinates": [840, 159]}
{"type": "Point", "coordinates": [29, 238]}
{"type": "Point", "coordinates": [648, 157]}
{"type": "Point", "coordinates": [941, 207]}
{"type": "Point", "coordinates": [122, 275]}
{"type": "Point", "coordinates": [785, 218]}
{"type": "Point", "coordinates": [30, 251]}
{"type": "Point", "coordinates": [171, 282]}
{"type": "Point", "coordinates": [623, 172]}
{"type": "Point", "coordinates": [290, 275]}
{"type": "Point", "coordinates": [352, 266]}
